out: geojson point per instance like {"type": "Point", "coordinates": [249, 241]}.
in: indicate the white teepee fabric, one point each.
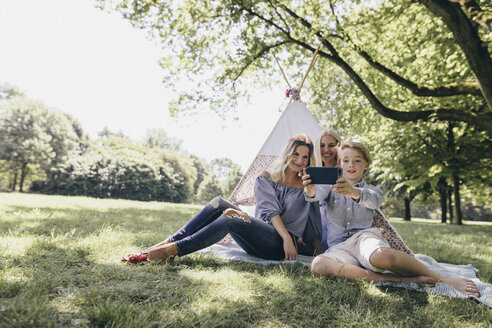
{"type": "Point", "coordinates": [295, 119]}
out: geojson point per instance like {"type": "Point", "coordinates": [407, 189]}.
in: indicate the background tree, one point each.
{"type": "Point", "coordinates": [233, 177]}
{"type": "Point", "coordinates": [227, 173]}
{"type": "Point", "coordinates": [33, 135]}
{"type": "Point", "coordinates": [202, 171]}
{"type": "Point", "coordinates": [8, 90]}
{"type": "Point", "coordinates": [106, 133]}
{"type": "Point", "coordinates": [209, 188]}
{"type": "Point", "coordinates": [159, 138]}
{"type": "Point", "coordinates": [432, 158]}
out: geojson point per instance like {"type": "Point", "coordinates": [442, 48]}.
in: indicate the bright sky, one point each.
{"type": "Point", "coordinates": [95, 66]}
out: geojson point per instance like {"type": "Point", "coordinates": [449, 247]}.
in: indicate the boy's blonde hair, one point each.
{"type": "Point", "coordinates": [317, 148]}
{"type": "Point", "coordinates": [358, 146]}
{"type": "Point", "coordinates": [277, 172]}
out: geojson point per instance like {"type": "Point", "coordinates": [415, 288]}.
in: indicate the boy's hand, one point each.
{"type": "Point", "coordinates": [306, 182]}
{"type": "Point", "coordinates": [343, 187]}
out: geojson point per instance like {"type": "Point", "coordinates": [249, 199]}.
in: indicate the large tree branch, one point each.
{"type": "Point", "coordinates": [483, 121]}
{"type": "Point", "coordinates": [467, 38]}
{"type": "Point", "coordinates": [451, 89]}
{"type": "Point", "coordinates": [476, 13]}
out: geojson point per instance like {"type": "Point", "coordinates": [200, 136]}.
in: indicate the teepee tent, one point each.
{"type": "Point", "coordinates": [295, 119]}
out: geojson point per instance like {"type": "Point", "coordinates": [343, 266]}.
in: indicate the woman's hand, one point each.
{"type": "Point", "coordinates": [235, 214]}
{"type": "Point", "coordinates": [343, 187]}
{"type": "Point", "coordinates": [306, 182]}
{"type": "Point", "coordinates": [289, 249]}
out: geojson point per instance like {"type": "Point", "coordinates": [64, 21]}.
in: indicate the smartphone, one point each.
{"type": "Point", "coordinates": [324, 175]}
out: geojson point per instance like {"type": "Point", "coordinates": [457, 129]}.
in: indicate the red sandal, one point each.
{"type": "Point", "coordinates": [135, 258]}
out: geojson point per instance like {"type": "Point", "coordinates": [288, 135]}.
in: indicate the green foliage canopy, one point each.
{"type": "Point", "coordinates": [446, 54]}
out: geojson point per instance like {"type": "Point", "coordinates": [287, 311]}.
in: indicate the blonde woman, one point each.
{"type": "Point", "coordinates": [282, 216]}
{"type": "Point", "coordinates": [325, 148]}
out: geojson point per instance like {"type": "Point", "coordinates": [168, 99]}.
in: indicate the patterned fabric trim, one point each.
{"type": "Point", "coordinates": [389, 233]}
{"type": "Point", "coordinates": [243, 194]}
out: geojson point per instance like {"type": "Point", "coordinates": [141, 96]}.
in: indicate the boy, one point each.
{"type": "Point", "coordinates": [357, 250]}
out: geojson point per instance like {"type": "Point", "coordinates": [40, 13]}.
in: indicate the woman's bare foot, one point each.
{"type": "Point", "coordinates": [421, 281]}
{"type": "Point", "coordinates": [235, 214]}
{"type": "Point", "coordinates": [464, 285]}
{"type": "Point", "coordinates": [162, 253]}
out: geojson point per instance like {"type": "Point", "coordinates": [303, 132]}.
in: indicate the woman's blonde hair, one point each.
{"type": "Point", "coordinates": [317, 148]}
{"type": "Point", "coordinates": [277, 172]}
{"type": "Point", "coordinates": [357, 146]}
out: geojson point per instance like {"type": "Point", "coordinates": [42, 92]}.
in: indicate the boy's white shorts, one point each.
{"type": "Point", "coordinates": [358, 249]}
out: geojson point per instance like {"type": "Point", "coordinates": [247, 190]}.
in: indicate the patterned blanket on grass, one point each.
{"type": "Point", "coordinates": [230, 250]}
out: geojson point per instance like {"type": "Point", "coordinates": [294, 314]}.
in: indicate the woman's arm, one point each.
{"type": "Point", "coordinates": [289, 247]}
{"type": "Point", "coordinates": [268, 208]}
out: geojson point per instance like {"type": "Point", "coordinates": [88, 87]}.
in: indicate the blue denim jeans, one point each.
{"type": "Point", "coordinates": [210, 225]}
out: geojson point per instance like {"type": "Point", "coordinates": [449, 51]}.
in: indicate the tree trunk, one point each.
{"type": "Point", "coordinates": [444, 208]}
{"type": "Point", "coordinates": [14, 183]}
{"type": "Point", "coordinates": [457, 201]}
{"type": "Point", "coordinates": [407, 209]}
{"type": "Point", "coordinates": [442, 188]}
{"type": "Point", "coordinates": [24, 170]}
{"type": "Point", "coordinates": [451, 208]}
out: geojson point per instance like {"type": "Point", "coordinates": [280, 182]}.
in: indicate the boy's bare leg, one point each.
{"type": "Point", "coordinates": [324, 266]}
{"type": "Point", "coordinates": [406, 265]}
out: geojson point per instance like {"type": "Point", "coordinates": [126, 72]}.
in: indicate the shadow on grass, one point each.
{"type": "Point", "coordinates": [64, 287]}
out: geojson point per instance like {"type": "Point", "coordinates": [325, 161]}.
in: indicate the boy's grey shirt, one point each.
{"type": "Point", "coordinates": [346, 216]}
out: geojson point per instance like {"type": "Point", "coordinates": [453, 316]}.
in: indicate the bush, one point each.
{"type": "Point", "coordinates": [116, 168]}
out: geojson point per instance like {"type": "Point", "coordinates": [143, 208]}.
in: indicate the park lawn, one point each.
{"type": "Point", "coordinates": [60, 266]}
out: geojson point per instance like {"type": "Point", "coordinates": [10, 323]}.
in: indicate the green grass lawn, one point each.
{"type": "Point", "coordinates": [60, 266]}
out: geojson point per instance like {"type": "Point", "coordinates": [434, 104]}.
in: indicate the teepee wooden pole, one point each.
{"type": "Point", "coordinates": [313, 61]}
{"type": "Point", "coordinates": [281, 70]}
